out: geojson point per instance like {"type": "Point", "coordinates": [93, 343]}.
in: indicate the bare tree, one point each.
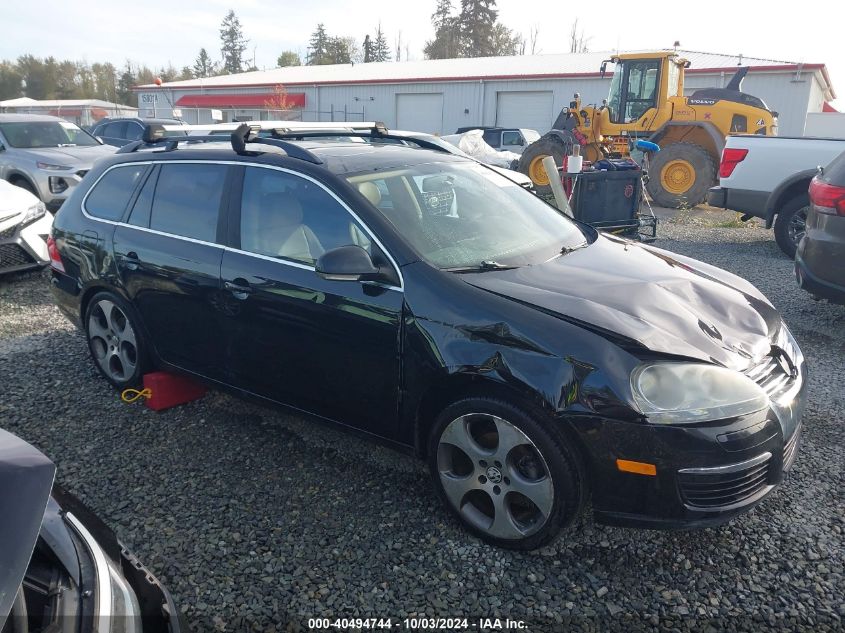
{"type": "Point", "coordinates": [533, 33]}
{"type": "Point", "coordinates": [399, 46]}
{"type": "Point", "coordinates": [577, 41]}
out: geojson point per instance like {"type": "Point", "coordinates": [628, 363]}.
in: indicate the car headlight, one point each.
{"type": "Point", "coordinates": [683, 393]}
{"type": "Point", "coordinates": [51, 166]}
{"type": "Point", "coordinates": [34, 213]}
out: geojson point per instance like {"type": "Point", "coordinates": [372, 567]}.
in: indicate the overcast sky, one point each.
{"type": "Point", "coordinates": [158, 32]}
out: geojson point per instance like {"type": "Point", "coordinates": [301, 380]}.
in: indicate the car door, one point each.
{"type": "Point", "coordinates": [512, 140]}
{"type": "Point", "coordinates": [168, 256]}
{"type": "Point", "coordinates": [323, 346]}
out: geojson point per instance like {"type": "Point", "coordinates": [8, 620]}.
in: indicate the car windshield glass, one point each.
{"type": "Point", "coordinates": [31, 134]}
{"type": "Point", "coordinates": [461, 215]}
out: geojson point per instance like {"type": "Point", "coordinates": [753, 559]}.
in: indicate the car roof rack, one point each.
{"type": "Point", "coordinates": [243, 135]}
{"type": "Point", "coordinates": [381, 133]}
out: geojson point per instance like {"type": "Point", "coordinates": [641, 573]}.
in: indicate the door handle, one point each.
{"type": "Point", "coordinates": [131, 261]}
{"type": "Point", "coordinates": [239, 290]}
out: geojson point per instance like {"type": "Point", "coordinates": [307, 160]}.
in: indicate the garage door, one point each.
{"type": "Point", "coordinates": [420, 112]}
{"type": "Point", "coordinates": [525, 109]}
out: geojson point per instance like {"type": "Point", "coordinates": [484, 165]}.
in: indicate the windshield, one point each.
{"type": "Point", "coordinates": [465, 216]}
{"type": "Point", "coordinates": [32, 134]}
{"type": "Point", "coordinates": [614, 97]}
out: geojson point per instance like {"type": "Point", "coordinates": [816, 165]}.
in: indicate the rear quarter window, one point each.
{"type": "Point", "coordinates": [108, 198]}
{"type": "Point", "coordinates": [187, 200]}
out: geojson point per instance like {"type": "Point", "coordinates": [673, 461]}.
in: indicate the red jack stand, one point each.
{"type": "Point", "coordinates": [163, 390]}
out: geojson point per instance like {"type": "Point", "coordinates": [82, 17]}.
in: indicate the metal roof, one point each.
{"type": "Point", "coordinates": [26, 102]}
{"type": "Point", "coordinates": [477, 68]}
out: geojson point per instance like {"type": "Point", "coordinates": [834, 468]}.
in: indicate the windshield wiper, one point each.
{"type": "Point", "coordinates": [66, 145]}
{"type": "Point", "coordinates": [482, 267]}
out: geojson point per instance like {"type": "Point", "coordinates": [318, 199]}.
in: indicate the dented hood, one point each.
{"type": "Point", "coordinates": [26, 478]}
{"type": "Point", "coordinates": [665, 302]}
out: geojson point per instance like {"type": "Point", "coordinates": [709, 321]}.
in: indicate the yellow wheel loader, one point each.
{"type": "Point", "coordinates": [646, 101]}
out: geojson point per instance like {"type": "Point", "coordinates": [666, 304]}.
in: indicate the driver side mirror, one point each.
{"type": "Point", "coordinates": [2, 147]}
{"type": "Point", "coordinates": [100, 140]}
{"type": "Point", "coordinates": [347, 263]}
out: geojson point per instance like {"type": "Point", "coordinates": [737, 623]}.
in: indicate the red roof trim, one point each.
{"type": "Point", "coordinates": [402, 80]}
{"type": "Point", "coordinates": [294, 99]}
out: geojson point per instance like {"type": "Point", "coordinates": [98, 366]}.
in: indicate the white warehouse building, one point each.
{"type": "Point", "coordinates": [439, 96]}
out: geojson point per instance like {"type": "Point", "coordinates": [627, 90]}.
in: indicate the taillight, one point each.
{"type": "Point", "coordinates": [827, 198]}
{"type": "Point", "coordinates": [731, 157]}
{"type": "Point", "coordinates": [55, 258]}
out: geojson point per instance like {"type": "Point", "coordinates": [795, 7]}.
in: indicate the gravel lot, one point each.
{"type": "Point", "coordinates": [256, 520]}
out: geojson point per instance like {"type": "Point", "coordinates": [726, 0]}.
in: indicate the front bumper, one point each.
{"type": "Point", "coordinates": [55, 186]}
{"type": "Point", "coordinates": [117, 571]}
{"type": "Point", "coordinates": [26, 248]}
{"type": "Point", "coordinates": [707, 473]}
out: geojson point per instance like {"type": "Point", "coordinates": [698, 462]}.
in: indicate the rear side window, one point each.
{"type": "Point", "coordinates": [492, 137]}
{"type": "Point", "coordinates": [109, 197]}
{"type": "Point", "coordinates": [187, 200]}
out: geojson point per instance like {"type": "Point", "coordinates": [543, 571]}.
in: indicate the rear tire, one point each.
{"type": "Point", "coordinates": [115, 340]}
{"type": "Point", "coordinates": [791, 224]}
{"type": "Point", "coordinates": [680, 175]}
{"type": "Point", "coordinates": [530, 162]}
{"type": "Point", "coordinates": [500, 470]}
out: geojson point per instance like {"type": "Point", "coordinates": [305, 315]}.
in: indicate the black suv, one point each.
{"type": "Point", "coordinates": [424, 299]}
{"type": "Point", "coordinates": [119, 131]}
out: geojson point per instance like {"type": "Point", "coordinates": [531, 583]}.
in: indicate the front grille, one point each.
{"type": "Point", "coordinates": [12, 255]}
{"type": "Point", "coordinates": [790, 449]}
{"type": "Point", "coordinates": [725, 485]}
{"type": "Point", "coordinates": [8, 232]}
{"type": "Point", "coordinates": [772, 374]}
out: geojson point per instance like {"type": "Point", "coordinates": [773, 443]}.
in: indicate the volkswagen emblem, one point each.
{"type": "Point", "coordinates": [494, 475]}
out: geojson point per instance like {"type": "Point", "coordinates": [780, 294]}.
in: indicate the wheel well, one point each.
{"type": "Point", "coordinates": [86, 298]}
{"type": "Point", "coordinates": [17, 177]}
{"type": "Point", "coordinates": [695, 134]}
{"type": "Point", "coordinates": [456, 387]}
{"type": "Point", "coordinates": [797, 188]}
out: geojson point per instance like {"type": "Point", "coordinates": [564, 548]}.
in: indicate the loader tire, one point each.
{"type": "Point", "coordinates": [531, 161]}
{"type": "Point", "coordinates": [680, 175]}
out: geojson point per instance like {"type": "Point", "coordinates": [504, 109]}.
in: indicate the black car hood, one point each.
{"type": "Point", "coordinates": [26, 477]}
{"type": "Point", "coordinates": [665, 302]}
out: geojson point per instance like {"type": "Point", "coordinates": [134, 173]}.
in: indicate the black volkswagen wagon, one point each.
{"type": "Point", "coordinates": [425, 300]}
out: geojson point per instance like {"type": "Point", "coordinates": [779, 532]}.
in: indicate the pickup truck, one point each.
{"type": "Point", "coordinates": [768, 177]}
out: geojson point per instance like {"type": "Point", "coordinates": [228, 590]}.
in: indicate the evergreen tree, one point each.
{"type": "Point", "coordinates": [318, 46]}
{"type": "Point", "coordinates": [204, 66]}
{"type": "Point", "coordinates": [447, 33]}
{"type": "Point", "coordinates": [340, 50]}
{"type": "Point", "coordinates": [381, 49]}
{"type": "Point", "coordinates": [232, 43]}
{"type": "Point", "coordinates": [368, 49]}
{"type": "Point", "coordinates": [477, 19]}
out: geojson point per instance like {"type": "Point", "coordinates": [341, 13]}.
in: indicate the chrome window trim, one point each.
{"type": "Point", "coordinates": [286, 262]}
{"type": "Point", "coordinates": [103, 596]}
{"type": "Point", "coordinates": [729, 468]}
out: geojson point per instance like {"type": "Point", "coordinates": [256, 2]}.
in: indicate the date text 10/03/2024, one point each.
{"type": "Point", "coordinates": [418, 624]}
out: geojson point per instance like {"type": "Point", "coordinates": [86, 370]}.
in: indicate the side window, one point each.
{"type": "Point", "coordinates": [109, 197]}
{"type": "Point", "coordinates": [511, 139]}
{"type": "Point", "coordinates": [493, 138]}
{"type": "Point", "coordinates": [187, 200]}
{"type": "Point", "coordinates": [283, 215]}
{"type": "Point", "coordinates": [133, 131]}
{"type": "Point", "coordinates": [116, 130]}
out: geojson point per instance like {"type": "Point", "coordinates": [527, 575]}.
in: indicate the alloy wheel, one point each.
{"type": "Point", "coordinates": [797, 225]}
{"type": "Point", "coordinates": [112, 341]}
{"type": "Point", "coordinates": [495, 476]}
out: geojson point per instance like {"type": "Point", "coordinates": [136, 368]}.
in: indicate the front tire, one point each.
{"type": "Point", "coordinates": [791, 224]}
{"type": "Point", "coordinates": [115, 340]}
{"type": "Point", "coordinates": [531, 160]}
{"type": "Point", "coordinates": [680, 175]}
{"type": "Point", "coordinates": [506, 476]}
